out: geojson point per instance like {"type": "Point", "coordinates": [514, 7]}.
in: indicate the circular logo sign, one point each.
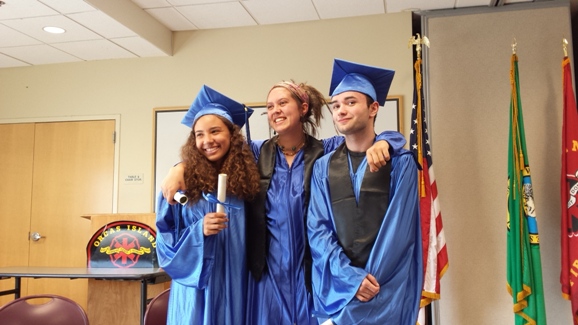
{"type": "Point", "coordinates": [123, 244]}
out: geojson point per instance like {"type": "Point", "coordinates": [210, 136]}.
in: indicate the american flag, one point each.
{"type": "Point", "coordinates": [435, 256]}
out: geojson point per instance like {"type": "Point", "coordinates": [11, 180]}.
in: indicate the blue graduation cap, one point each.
{"type": "Point", "coordinates": [351, 76]}
{"type": "Point", "coordinates": [209, 101]}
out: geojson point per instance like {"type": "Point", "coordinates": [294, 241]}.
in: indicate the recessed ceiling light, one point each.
{"type": "Point", "coordinates": [54, 30]}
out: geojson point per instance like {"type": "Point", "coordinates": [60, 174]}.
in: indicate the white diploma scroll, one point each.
{"type": "Point", "coordinates": [222, 191]}
{"type": "Point", "coordinates": [181, 198]}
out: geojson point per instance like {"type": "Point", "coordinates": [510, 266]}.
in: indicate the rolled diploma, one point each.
{"type": "Point", "coordinates": [221, 191]}
{"type": "Point", "coordinates": [181, 198]}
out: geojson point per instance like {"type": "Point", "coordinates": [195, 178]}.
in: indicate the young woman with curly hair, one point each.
{"type": "Point", "coordinates": [202, 250]}
{"type": "Point", "coordinates": [238, 164]}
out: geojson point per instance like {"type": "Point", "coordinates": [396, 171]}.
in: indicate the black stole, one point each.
{"type": "Point", "coordinates": [257, 233]}
{"type": "Point", "coordinates": [357, 225]}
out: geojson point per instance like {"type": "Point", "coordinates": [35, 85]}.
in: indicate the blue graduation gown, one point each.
{"type": "Point", "coordinates": [209, 274]}
{"type": "Point", "coordinates": [395, 259]}
{"type": "Point", "coordinates": [280, 296]}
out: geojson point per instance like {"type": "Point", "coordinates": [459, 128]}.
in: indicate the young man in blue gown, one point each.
{"type": "Point", "coordinates": [363, 227]}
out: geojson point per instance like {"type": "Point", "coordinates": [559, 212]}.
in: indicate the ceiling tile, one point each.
{"type": "Point", "coordinates": [33, 28]}
{"type": "Point", "coordinates": [68, 6]}
{"type": "Point", "coordinates": [195, 2]}
{"type": "Point", "coordinates": [24, 8]}
{"type": "Point", "coordinates": [93, 35]}
{"type": "Point", "coordinates": [345, 8]}
{"type": "Point", "coordinates": [94, 50]}
{"type": "Point", "coordinates": [171, 18]}
{"type": "Point", "coordinates": [101, 24]}
{"type": "Point", "coordinates": [139, 46]}
{"type": "Point", "coordinates": [403, 5]}
{"type": "Point", "coordinates": [8, 62]}
{"type": "Point", "coordinates": [281, 11]}
{"type": "Point", "coordinates": [11, 37]}
{"type": "Point", "coordinates": [39, 54]}
{"type": "Point", "coordinates": [147, 4]}
{"type": "Point", "coordinates": [218, 15]}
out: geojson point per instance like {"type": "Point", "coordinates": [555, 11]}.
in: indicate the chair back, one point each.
{"type": "Point", "coordinates": [34, 309]}
{"type": "Point", "coordinates": [156, 313]}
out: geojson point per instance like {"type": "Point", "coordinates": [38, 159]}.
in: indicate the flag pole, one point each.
{"type": "Point", "coordinates": [418, 41]}
{"type": "Point", "coordinates": [433, 239]}
{"type": "Point", "coordinates": [427, 314]}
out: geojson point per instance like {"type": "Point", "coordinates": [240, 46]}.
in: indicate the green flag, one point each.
{"type": "Point", "coordinates": [524, 268]}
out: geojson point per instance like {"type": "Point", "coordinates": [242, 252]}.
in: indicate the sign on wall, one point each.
{"type": "Point", "coordinates": [123, 244]}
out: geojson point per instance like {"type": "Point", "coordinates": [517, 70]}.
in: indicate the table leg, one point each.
{"type": "Point", "coordinates": [15, 291]}
{"type": "Point", "coordinates": [143, 301]}
{"type": "Point", "coordinates": [17, 287]}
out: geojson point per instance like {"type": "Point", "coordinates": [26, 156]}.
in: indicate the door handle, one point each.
{"type": "Point", "coordinates": [36, 236]}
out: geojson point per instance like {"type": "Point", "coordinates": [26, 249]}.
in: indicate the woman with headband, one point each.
{"type": "Point", "coordinates": [277, 251]}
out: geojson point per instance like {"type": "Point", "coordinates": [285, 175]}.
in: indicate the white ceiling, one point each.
{"type": "Point", "coordinates": [112, 29]}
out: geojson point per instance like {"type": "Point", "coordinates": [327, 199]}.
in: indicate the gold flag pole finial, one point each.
{"type": "Point", "coordinates": [565, 46]}
{"type": "Point", "coordinates": [514, 45]}
{"type": "Point", "coordinates": [418, 41]}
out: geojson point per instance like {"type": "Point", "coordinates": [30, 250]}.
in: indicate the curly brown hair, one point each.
{"type": "Point", "coordinates": [201, 175]}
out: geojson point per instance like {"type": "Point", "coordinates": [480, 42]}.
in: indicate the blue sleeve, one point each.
{"type": "Point", "coordinates": [256, 147]}
{"type": "Point", "coordinates": [395, 139]}
{"type": "Point", "coordinates": [396, 265]}
{"type": "Point", "coordinates": [335, 281]}
{"type": "Point", "coordinates": [182, 249]}
{"type": "Point", "coordinates": [332, 143]}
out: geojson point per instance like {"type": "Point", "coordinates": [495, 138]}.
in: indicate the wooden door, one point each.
{"type": "Point", "coordinates": [73, 176]}
{"type": "Point", "coordinates": [17, 151]}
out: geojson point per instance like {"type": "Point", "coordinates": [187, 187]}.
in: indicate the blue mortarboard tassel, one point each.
{"type": "Point", "coordinates": [247, 128]}
{"type": "Point", "coordinates": [213, 199]}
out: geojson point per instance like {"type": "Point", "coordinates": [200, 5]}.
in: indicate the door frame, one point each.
{"type": "Point", "coordinates": [115, 117]}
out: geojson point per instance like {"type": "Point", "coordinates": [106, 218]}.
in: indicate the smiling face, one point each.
{"type": "Point", "coordinates": [284, 112]}
{"type": "Point", "coordinates": [212, 137]}
{"type": "Point", "coordinates": [351, 112]}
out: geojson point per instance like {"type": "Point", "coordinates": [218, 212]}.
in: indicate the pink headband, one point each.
{"type": "Point", "coordinates": [294, 89]}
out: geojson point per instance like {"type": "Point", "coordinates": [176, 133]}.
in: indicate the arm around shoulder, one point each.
{"type": "Point", "coordinates": [173, 182]}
